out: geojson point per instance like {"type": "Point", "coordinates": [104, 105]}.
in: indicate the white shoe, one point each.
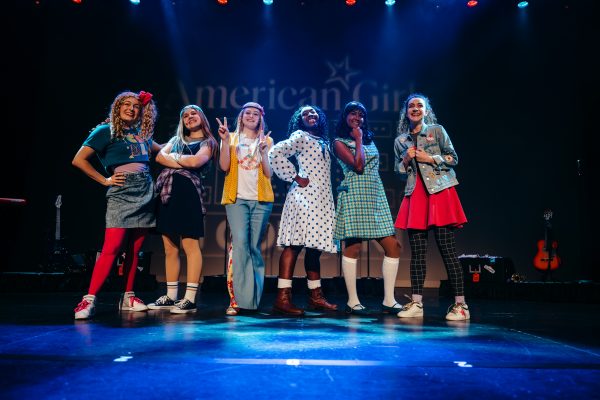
{"type": "Point", "coordinates": [414, 309]}
{"type": "Point", "coordinates": [132, 303]}
{"type": "Point", "coordinates": [86, 307]}
{"type": "Point", "coordinates": [458, 312]}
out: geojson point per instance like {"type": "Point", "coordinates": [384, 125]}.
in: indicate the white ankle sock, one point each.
{"type": "Point", "coordinates": [389, 270]}
{"type": "Point", "coordinates": [349, 269]}
{"type": "Point", "coordinates": [313, 284]}
{"type": "Point", "coordinates": [417, 298]}
{"type": "Point", "coordinates": [172, 289]}
{"type": "Point", "coordinates": [284, 283]}
{"type": "Point", "coordinates": [459, 299]}
{"type": "Point", "coordinates": [190, 292]}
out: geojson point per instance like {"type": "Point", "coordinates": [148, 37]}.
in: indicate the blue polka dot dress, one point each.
{"type": "Point", "coordinates": [308, 214]}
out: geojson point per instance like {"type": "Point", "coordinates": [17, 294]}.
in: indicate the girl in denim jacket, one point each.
{"type": "Point", "coordinates": [425, 157]}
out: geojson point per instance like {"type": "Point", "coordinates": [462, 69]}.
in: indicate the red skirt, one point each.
{"type": "Point", "coordinates": [422, 210]}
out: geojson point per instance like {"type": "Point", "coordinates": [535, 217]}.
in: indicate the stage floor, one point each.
{"type": "Point", "coordinates": [509, 349]}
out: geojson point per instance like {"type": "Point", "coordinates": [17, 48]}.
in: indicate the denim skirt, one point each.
{"type": "Point", "coordinates": [131, 205]}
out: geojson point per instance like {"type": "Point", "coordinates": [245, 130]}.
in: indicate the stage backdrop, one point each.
{"type": "Point", "coordinates": [504, 82]}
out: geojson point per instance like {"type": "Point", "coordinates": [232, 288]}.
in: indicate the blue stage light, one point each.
{"type": "Point", "coordinates": [136, 2]}
{"type": "Point", "coordinates": [268, 2]}
{"type": "Point", "coordinates": [523, 4]}
{"type": "Point", "coordinates": [390, 2]}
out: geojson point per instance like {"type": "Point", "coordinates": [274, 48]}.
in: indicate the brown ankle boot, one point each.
{"type": "Point", "coordinates": [283, 303]}
{"type": "Point", "coordinates": [317, 301]}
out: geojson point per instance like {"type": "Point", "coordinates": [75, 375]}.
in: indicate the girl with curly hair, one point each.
{"type": "Point", "coordinates": [123, 145]}
{"type": "Point", "coordinates": [308, 213]}
{"type": "Point", "coordinates": [425, 158]}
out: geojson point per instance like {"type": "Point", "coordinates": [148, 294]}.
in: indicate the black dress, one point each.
{"type": "Point", "coordinates": [182, 215]}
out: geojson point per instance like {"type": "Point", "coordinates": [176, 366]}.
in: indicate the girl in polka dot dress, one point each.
{"type": "Point", "coordinates": [307, 220]}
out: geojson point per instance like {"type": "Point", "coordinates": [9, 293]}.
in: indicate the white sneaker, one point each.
{"type": "Point", "coordinates": [131, 303]}
{"type": "Point", "coordinates": [458, 312]}
{"type": "Point", "coordinates": [414, 309]}
{"type": "Point", "coordinates": [86, 307]}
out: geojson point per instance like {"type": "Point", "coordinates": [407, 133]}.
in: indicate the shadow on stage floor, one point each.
{"type": "Point", "coordinates": [509, 349]}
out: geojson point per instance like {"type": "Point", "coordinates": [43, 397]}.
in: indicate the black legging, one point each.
{"type": "Point", "coordinates": [446, 244]}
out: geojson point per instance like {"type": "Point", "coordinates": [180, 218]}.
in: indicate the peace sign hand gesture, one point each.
{"type": "Point", "coordinates": [263, 143]}
{"type": "Point", "coordinates": [223, 130]}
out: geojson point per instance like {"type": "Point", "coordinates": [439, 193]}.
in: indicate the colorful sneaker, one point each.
{"type": "Point", "coordinates": [162, 303]}
{"type": "Point", "coordinates": [458, 312]}
{"type": "Point", "coordinates": [86, 307]}
{"type": "Point", "coordinates": [184, 307]}
{"type": "Point", "coordinates": [132, 303]}
{"type": "Point", "coordinates": [414, 309]}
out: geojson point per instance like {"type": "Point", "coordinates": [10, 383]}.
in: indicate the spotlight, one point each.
{"type": "Point", "coordinates": [472, 3]}
{"type": "Point", "coordinates": [136, 2]}
{"type": "Point", "coordinates": [77, 1]}
{"type": "Point", "coordinates": [390, 2]}
{"type": "Point", "coordinates": [222, 2]}
{"type": "Point", "coordinates": [350, 2]}
{"type": "Point", "coordinates": [522, 4]}
{"type": "Point", "coordinates": [267, 2]}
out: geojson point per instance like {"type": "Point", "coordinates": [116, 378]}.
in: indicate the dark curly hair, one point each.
{"type": "Point", "coordinates": [404, 123]}
{"type": "Point", "coordinates": [296, 123]}
{"type": "Point", "coordinates": [342, 130]}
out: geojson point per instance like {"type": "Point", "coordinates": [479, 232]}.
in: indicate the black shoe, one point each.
{"type": "Point", "coordinates": [162, 303]}
{"type": "Point", "coordinates": [358, 309]}
{"type": "Point", "coordinates": [391, 310]}
{"type": "Point", "coordinates": [184, 307]}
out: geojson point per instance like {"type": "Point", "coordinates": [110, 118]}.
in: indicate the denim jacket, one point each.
{"type": "Point", "coordinates": [436, 142]}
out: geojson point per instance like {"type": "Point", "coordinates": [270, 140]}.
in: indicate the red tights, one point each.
{"type": "Point", "coordinates": [117, 240]}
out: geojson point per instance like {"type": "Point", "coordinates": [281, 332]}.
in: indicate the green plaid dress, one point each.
{"type": "Point", "coordinates": [362, 208]}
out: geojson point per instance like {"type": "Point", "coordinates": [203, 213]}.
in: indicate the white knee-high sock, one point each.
{"type": "Point", "coordinates": [349, 269]}
{"type": "Point", "coordinates": [389, 270]}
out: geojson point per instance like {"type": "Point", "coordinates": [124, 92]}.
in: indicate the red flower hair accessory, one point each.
{"type": "Point", "coordinates": [145, 97]}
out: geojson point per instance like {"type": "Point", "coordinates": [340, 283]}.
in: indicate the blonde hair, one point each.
{"type": "Point", "coordinates": [179, 139]}
{"type": "Point", "coordinates": [145, 122]}
{"type": "Point", "coordinates": [239, 125]}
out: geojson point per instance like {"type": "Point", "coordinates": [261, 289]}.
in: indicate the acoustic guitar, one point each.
{"type": "Point", "coordinates": [546, 258]}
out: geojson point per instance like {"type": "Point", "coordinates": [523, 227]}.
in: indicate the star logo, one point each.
{"type": "Point", "coordinates": [341, 72]}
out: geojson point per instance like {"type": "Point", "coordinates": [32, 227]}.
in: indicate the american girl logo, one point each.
{"type": "Point", "coordinates": [343, 83]}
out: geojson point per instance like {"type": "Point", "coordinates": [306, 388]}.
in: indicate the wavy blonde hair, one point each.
{"type": "Point", "coordinates": [145, 122]}
{"type": "Point", "coordinates": [181, 133]}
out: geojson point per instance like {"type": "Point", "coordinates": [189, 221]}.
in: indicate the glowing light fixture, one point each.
{"type": "Point", "coordinates": [472, 3]}
{"type": "Point", "coordinates": [222, 2]}
{"type": "Point", "coordinates": [77, 1]}
{"type": "Point", "coordinates": [523, 4]}
{"type": "Point", "coordinates": [136, 2]}
{"type": "Point", "coordinates": [268, 2]}
{"type": "Point", "coordinates": [390, 2]}
{"type": "Point", "coordinates": [350, 2]}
